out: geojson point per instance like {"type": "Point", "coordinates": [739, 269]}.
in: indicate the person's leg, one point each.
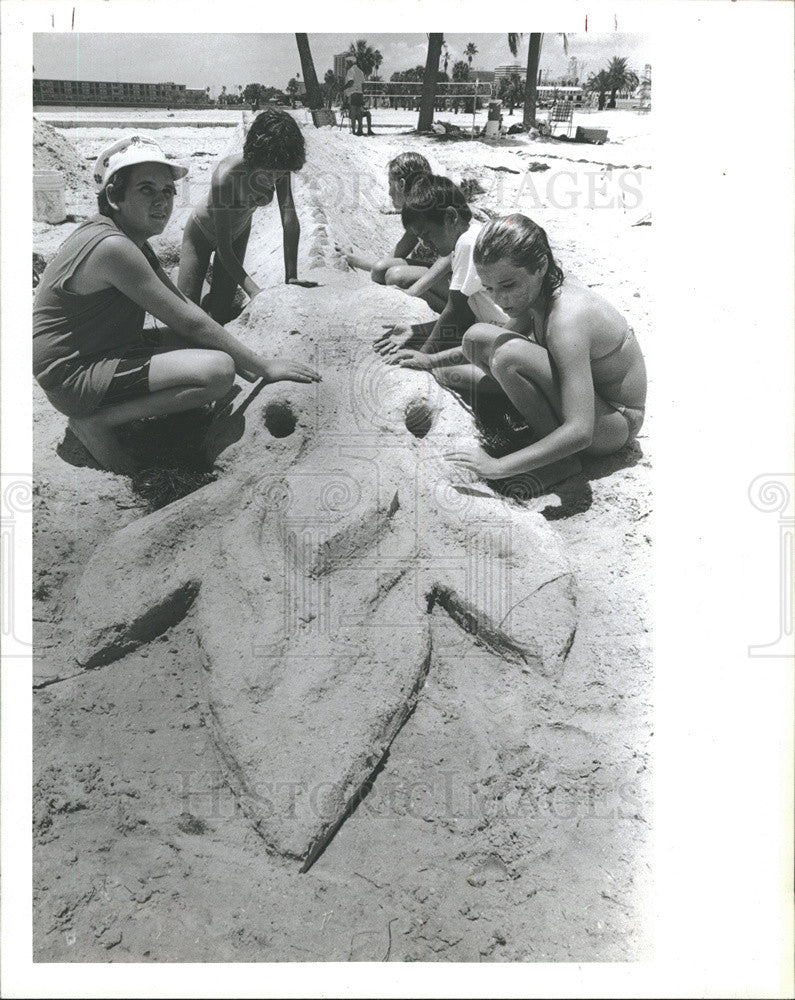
{"type": "Point", "coordinates": [357, 113]}
{"type": "Point", "coordinates": [194, 259]}
{"type": "Point", "coordinates": [361, 263]}
{"type": "Point", "coordinates": [378, 271]}
{"type": "Point", "coordinates": [523, 372]}
{"type": "Point", "coordinates": [222, 290]}
{"type": "Point", "coordinates": [613, 428]}
{"type": "Point", "coordinates": [404, 275]}
{"type": "Point", "coordinates": [178, 380]}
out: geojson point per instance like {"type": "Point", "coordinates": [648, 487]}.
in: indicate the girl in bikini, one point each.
{"type": "Point", "coordinates": [241, 184]}
{"type": "Point", "coordinates": [567, 359]}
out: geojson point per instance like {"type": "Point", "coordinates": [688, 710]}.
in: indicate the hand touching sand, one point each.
{"type": "Point", "coordinates": [410, 359]}
{"type": "Point", "coordinates": [393, 340]}
{"type": "Point", "coordinates": [476, 460]}
{"type": "Point", "coordinates": [302, 283]}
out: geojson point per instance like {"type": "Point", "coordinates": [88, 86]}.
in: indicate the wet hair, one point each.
{"type": "Point", "coordinates": [408, 167]}
{"type": "Point", "coordinates": [118, 185]}
{"type": "Point", "coordinates": [274, 142]}
{"type": "Point", "coordinates": [429, 198]}
{"type": "Point", "coordinates": [524, 243]}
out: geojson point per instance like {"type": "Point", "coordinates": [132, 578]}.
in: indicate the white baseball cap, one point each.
{"type": "Point", "coordinates": [128, 151]}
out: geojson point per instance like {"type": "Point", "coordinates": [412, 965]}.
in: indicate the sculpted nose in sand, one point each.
{"type": "Point", "coordinates": [315, 569]}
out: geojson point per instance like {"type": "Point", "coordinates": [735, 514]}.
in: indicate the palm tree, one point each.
{"type": "Point", "coordinates": [445, 56]}
{"type": "Point", "coordinates": [428, 99]}
{"type": "Point", "coordinates": [367, 58]}
{"type": "Point", "coordinates": [470, 52]}
{"type": "Point", "coordinates": [599, 83]}
{"type": "Point", "coordinates": [222, 96]}
{"type": "Point", "coordinates": [619, 77]}
{"type": "Point", "coordinates": [313, 94]}
{"type": "Point", "coordinates": [292, 90]}
{"type": "Point", "coordinates": [531, 80]}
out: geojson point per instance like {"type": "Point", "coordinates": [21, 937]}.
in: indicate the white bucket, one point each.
{"type": "Point", "coordinates": [49, 202]}
{"type": "Point", "coordinates": [492, 130]}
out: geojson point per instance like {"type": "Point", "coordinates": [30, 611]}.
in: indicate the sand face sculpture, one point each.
{"type": "Point", "coordinates": [313, 568]}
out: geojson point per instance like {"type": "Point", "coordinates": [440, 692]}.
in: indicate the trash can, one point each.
{"type": "Point", "coordinates": [49, 202]}
{"type": "Point", "coordinates": [495, 111]}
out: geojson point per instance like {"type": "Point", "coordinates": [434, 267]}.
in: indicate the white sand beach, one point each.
{"type": "Point", "coordinates": [472, 844]}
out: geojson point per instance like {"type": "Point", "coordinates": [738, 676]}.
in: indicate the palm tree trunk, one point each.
{"type": "Point", "coordinates": [531, 83]}
{"type": "Point", "coordinates": [313, 94]}
{"type": "Point", "coordinates": [429, 82]}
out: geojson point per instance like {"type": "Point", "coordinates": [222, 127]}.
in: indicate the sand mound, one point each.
{"type": "Point", "coordinates": [53, 151]}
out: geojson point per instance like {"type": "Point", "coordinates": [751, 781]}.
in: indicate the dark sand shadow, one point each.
{"type": "Point", "coordinates": [503, 430]}
{"type": "Point", "coordinates": [168, 450]}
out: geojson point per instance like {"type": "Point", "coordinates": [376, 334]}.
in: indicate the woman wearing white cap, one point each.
{"type": "Point", "coordinates": [90, 353]}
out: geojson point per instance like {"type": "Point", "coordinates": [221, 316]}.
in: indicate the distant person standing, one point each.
{"type": "Point", "coordinates": [354, 88]}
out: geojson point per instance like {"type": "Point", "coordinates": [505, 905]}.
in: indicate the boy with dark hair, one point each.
{"type": "Point", "coordinates": [242, 183]}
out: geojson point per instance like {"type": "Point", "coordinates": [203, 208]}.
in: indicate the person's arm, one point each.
{"type": "Point", "coordinates": [291, 228]}
{"type": "Point", "coordinates": [405, 244]}
{"type": "Point", "coordinates": [453, 322]}
{"type": "Point", "coordinates": [121, 264]}
{"type": "Point", "coordinates": [569, 348]}
{"type": "Point", "coordinates": [222, 195]}
{"type": "Point", "coordinates": [439, 269]}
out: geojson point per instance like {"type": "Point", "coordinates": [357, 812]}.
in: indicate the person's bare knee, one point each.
{"type": "Point", "coordinates": [379, 271]}
{"type": "Point", "coordinates": [477, 340]}
{"type": "Point", "coordinates": [400, 277]}
{"type": "Point", "coordinates": [507, 358]}
{"type": "Point", "coordinates": [218, 374]}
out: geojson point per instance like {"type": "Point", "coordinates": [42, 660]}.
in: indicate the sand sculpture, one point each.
{"type": "Point", "coordinates": [312, 565]}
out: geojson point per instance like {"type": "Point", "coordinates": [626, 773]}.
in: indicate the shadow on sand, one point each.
{"type": "Point", "coordinates": [170, 453]}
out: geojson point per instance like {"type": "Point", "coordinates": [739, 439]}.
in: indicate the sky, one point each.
{"type": "Point", "coordinates": [215, 60]}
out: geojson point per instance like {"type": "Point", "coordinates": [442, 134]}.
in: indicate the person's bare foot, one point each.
{"type": "Point", "coordinates": [103, 445]}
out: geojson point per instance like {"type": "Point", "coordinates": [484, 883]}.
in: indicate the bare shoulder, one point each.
{"type": "Point", "coordinates": [578, 312]}
{"type": "Point", "coordinates": [228, 169]}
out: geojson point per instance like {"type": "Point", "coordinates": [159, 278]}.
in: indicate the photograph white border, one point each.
{"type": "Point", "coordinates": [723, 290]}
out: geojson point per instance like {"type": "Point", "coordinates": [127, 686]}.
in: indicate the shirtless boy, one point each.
{"type": "Point", "coordinates": [242, 183]}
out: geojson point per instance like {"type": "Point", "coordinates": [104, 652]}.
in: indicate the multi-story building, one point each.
{"type": "Point", "coordinates": [508, 70]}
{"type": "Point", "coordinates": [340, 66]}
{"type": "Point", "coordinates": [103, 92]}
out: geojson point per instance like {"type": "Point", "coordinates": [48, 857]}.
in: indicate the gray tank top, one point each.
{"type": "Point", "coordinates": [78, 340]}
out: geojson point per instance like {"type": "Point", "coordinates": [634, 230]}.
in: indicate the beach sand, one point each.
{"type": "Point", "coordinates": [539, 852]}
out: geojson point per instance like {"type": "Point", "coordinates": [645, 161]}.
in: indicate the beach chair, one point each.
{"type": "Point", "coordinates": [324, 116]}
{"type": "Point", "coordinates": [561, 113]}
